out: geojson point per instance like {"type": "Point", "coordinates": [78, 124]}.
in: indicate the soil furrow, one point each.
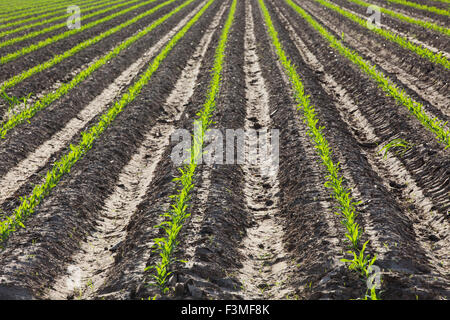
{"type": "Point", "coordinates": [78, 37]}
{"type": "Point", "coordinates": [265, 269]}
{"type": "Point", "coordinates": [8, 112]}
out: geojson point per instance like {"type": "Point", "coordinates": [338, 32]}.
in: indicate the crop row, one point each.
{"type": "Point", "coordinates": [89, 7]}
{"type": "Point", "coordinates": [89, 136]}
{"type": "Point", "coordinates": [400, 16]}
{"type": "Point", "coordinates": [17, 7]}
{"type": "Point", "coordinates": [361, 262]}
{"type": "Point", "coordinates": [45, 101]}
{"type": "Point", "coordinates": [14, 55]}
{"type": "Point", "coordinates": [176, 216]}
{"type": "Point", "coordinates": [63, 24]}
{"type": "Point", "coordinates": [391, 36]}
{"type": "Point", "coordinates": [45, 11]}
{"type": "Point", "coordinates": [421, 7]}
{"type": "Point", "coordinates": [433, 124]}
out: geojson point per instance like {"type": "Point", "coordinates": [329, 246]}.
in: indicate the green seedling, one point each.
{"type": "Point", "coordinates": [396, 143]}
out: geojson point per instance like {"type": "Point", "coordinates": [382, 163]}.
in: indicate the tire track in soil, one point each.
{"type": "Point", "coordinates": [265, 269]}
{"type": "Point", "coordinates": [15, 178]}
{"type": "Point", "coordinates": [96, 256]}
{"type": "Point", "coordinates": [34, 257]}
{"type": "Point", "coordinates": [26, 140]}
{"type": "Point", "coordinates": [407, 260]}
{"type": "Point", "coordinates": [433, 91]}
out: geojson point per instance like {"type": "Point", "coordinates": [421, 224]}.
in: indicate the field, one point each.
{"type": "Point", "coordinates": [353, 201]}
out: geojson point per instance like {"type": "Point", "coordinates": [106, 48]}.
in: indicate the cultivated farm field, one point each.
{"type": "Point", "coordinates": [353, 201]}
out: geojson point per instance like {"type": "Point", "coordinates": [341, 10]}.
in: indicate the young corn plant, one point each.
{"type": "Point", "coordinates": [179, 212]}
{"type": "Point", "coordinates": [396, 143]}
{"type": "Point", "coordinates": [346, 207]}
